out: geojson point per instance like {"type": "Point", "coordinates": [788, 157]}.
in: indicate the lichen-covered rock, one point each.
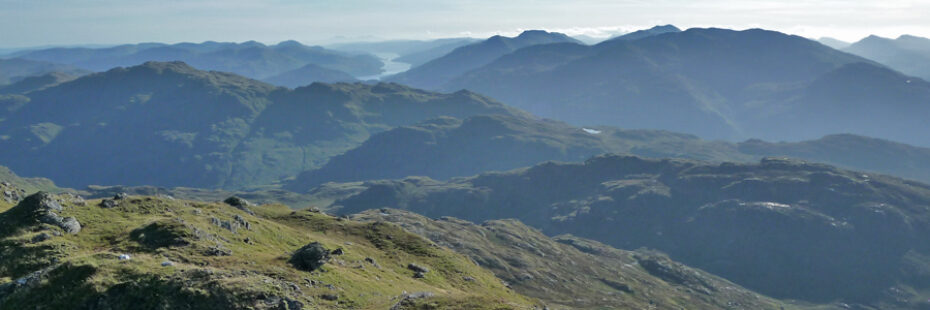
{"type": "Point", "coordinates": [109, 203]}
{"type": "Point", "coordinates": [43, 207]}
{"type": "Point", "coordinates": [70, 225]}
{"type": "Point", "coordinates": [160, 234]}
{"type": "Point", "coordinates": [310, 257]}
{"type": "Point", "coordinates": [218, 250]}
{"type": "Point", "coordinates": [10, 193]}
{"type": "Point", "coordinates": [240, 204]}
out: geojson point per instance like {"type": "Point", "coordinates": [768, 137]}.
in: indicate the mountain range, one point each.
{"type": "Point", "coordinates": [14, 70]}
{"type": "Point", "coordinates": [659, 169]}
{"type": "Point", "coordinates": [168, 124]}
{"type": "Point", "coordinates": [445, 148]}
{"type": "Point", "coordinates": [908, 54]}
{"type": "Point", "coordinates": [439, 71]}
{"type": "Point", "coordinates": [251, 59]}
{"type": "Point", "coordinates": [639, 34]}
{"type": "Point", "coordinates": [783, 228]}
{"type": "Point", "coordinates": [715, 83]}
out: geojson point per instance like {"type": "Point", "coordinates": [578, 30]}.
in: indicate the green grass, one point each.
{"type": "Point", "coordinates": [84, 267]}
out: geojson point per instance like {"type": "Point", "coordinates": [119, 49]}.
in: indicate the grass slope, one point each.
{"type": "Point", "coordinates": [83, 271]}
{"type": "Point", "coordinates": [575, 273]}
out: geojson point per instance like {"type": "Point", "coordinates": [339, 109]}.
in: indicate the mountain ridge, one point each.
{"type": "Point", "coordinates": [187, 127]}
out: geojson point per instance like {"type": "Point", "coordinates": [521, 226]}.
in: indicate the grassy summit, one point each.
{"type": "Point", "coordinates": [155, 253]}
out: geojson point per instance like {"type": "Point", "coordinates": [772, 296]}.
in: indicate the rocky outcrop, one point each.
{"type": "Point", "coordinates": [240, 204]}
{"type": "Point", "coordinates": [10, 193]}
{"type": "Point", "coordinates": [44, 207]}
{"type": "Point", "coordinates": [310, 257]}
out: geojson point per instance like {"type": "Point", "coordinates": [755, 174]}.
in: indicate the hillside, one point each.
{"type": "Point", "coordinates": [307, 75]}
{"type": "Point", "coordinates": [168, 124]}
{"type": "Point", "coordinates": [576, 273]}
{"type": "Point", "coordinates": [783, 228]}
{"type": "Point", "coordinates": [38, 82]}
{"type": "Point", "coordinates": [445, 148]}
{"type": "Point", "coordinates": [437, 72]}
{"type": "Point", "coordinates": [714, 83]}
{"type": "Point", "coordinates": [161, 253]}
{"type": "Point", "coordinates": [444, 47]}
{"type": "Point", "coordinates": [908, 54]}
{"type": "Point", "coordinates": [10, 182]}
{"type": "Point", "coordinates": [853, 152]}
{"type": "Point", "coordinates": [834, 43]}
{"type": "Point", "coordinates": [15, 69]}
{"type": "Point", "coordinates": [250, 59]}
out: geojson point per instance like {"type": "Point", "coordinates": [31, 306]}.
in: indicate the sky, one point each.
{"type": "Point", "coordinates": [29, 23]}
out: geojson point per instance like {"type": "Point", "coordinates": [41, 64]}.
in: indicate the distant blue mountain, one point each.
{"type": "Point", "coordinates": [715, 83]}
{"type": "Point", "coordinates": [251, 59]}
{"type": "Point", "coordinates": [639, 34]}
{"type": "Point", "coordinates": [466, 58]}
{"type": "Point", "coordinates": [908, 54]}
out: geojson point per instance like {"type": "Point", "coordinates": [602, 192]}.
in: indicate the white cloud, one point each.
{"type": "Point", "coordinates": [38, 22]}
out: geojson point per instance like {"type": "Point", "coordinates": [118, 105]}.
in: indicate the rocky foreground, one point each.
{"type": "Point", "coordinates": [132, 252]}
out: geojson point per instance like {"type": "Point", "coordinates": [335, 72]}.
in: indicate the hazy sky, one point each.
{"type": "Point", "coordinates": [44, 22]}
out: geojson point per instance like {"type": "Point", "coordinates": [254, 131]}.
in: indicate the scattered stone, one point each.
{"type": "Point", "coordinates": [218, 250]}
{"type": "Point", "coordinates": [242, 222]}
{"type": "Point", "coordinates": [248, 240]}
{"type": "Point", "coordinates": [71, 225]}
{"type": "Point", "coordinates": [78, 200]}
{"type": "Point", "coordinates": [51, 218]}
{"type": "Point", "coordinates": [419, 275]}
{"type": "Point", "coordinates": [417, 268]}
{"type": "Point", "coordinates": [124, 257]}
{"type": "Point", "coordinates": [420, 295]}
{"type": "Point", "coordinates": [330, 297]}
{"type": "Point", "coordinates": [227, 225]}
{"type": "Point", "coordinates": [468, 279]}
{"type": "Point", "coordinates": [109, 203]}
{"type": "Point", "coordinates": [10, 193]}
{"type": "Point", "coordinates": [41, 237]}
{"type": "Point", "coordinates": [310, 257]}
{"type": "Point", "coordinates": [197, 212]}
{"type": "Point", "coordinates": [406, 299]}
{"type": "Point", "coordinates": [167, 264]}
{"type": "Point", "coordinates": [120, 196]}
{"type": "Point", "coordinates": [337, 252]}
{"type": "Point", "coordinates": [293, 286]}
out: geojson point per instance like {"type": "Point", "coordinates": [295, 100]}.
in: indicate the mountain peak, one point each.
{"type": "Point", "coordinates": [534, 32]}
{"type": "Point", "coordinates": [172, 66]}
{"type": "Point", "coordinates": [639, 34]}
{"type": "Point", "coordinates": [665, 28]}
{"type": "Point", "coordinates": [289, 43]}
